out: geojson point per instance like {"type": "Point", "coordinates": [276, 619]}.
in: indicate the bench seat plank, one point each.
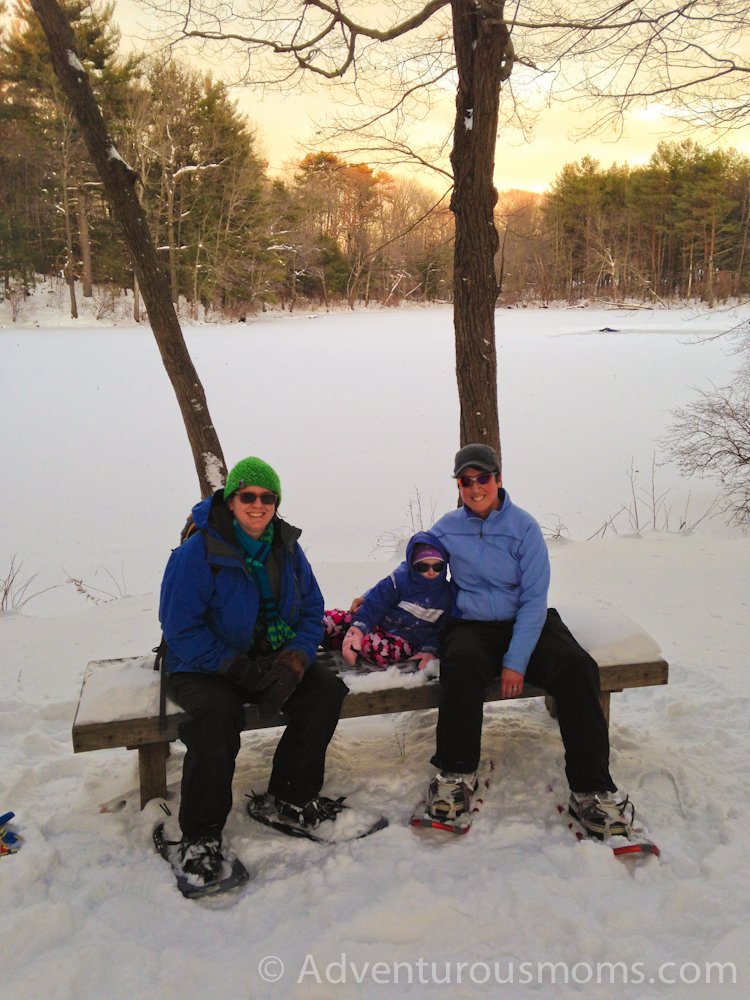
{"type": "Point", "coordinates": [141, 732]}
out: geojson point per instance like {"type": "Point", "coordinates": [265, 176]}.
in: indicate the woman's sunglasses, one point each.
{"type": "Point", "coordinates": [482, 480]}
{"type": "Point", "coordinates": [265, 498]}
{"type": "Point", "coordinates": [425, 567]}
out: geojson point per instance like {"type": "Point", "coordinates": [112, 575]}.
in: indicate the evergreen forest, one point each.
{"type": "Point", "coordinates": [233, 239]}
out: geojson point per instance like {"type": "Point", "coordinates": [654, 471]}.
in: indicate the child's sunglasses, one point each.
{"type": "Point", "coordinates": [425, 567]}
{"type": "Point", "coordinates": [482, 480]}
{"type": "Point", "coordinates": [249, 497]}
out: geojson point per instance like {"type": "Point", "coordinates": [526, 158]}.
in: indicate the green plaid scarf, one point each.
{"type": "Point", "coordinates": [269, 620]}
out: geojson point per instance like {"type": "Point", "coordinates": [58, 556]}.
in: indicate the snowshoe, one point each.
{"type": "Point", "coordinates": [200, 859]}
{"type": "Point", "coordinates": [323, 820]}
{"type": "Point", "coordinates": [603, 814]}
{"type": "Point", "coordinates": [317, 811]}
{"type": "Point", "coordinates": [231, 874]}
{"type": "Point", "coordinates": [455, 799]}
{"type": "Point", "coordinates": [633, 844]}
{"type": "Point", "coordinates": [450, 795]}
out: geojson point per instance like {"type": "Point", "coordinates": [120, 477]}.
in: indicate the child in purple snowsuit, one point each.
{"type": "Point", "coordinates": [401, 616]}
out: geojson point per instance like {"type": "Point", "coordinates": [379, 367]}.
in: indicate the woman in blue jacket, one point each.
{"type": "Point", "coordinates": [241, 614]}
{"type": "Point", "coordinates": [500, 627]}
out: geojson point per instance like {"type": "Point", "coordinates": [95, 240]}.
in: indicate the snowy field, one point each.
{"type": "Point", "coordinates": [358, 413]}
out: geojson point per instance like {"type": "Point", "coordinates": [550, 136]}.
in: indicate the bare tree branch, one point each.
{"type": "Point", "coordinates": [607, 57]}
{"type": "Point", "coordinates": [119, 181]}
{"type": "Point", "coordinates": [710, 437]}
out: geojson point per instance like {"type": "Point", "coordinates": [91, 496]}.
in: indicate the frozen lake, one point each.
{"type": "Point", "coordinates": [357, 412]}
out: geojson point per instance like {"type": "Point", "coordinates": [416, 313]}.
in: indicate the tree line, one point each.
{"type": "Point", "coordinates": [232, 239]}
{"type": "Point", "coordinates": [229, 237]}
{"type": "Point", "coordinates": [675, 228]}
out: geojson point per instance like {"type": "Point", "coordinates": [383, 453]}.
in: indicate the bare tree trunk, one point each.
{"type": "Point", "coordinates": [743, 248]}
{"type": "Point", "coordinates": [711, 252]}
{"type": "Point", "coordinates": [83, 234]}
{"type": "Point", "coordinates": [194, 310]}
{"type": "Point", "coordinates": [119, 183]}
{"type": "Point", "coordinates": [294, 282]}
{"type": "Point", "coordinates": [136, 299]}
{"type": "Point", "coordinates": [353, 283]}
{"type": "Point", "coordinates": [69, 271]}
{"type": "Point", "coordinates": [484, 59]}
{"type": "Point", "coordinates": [171, 241]}
{"type": "Point", "coordinates": [502, 262]}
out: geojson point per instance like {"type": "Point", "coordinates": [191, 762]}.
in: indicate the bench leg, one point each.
{"type": "Point", "coordinates": [152, 764]}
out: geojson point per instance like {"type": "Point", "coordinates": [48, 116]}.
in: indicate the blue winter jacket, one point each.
{"type": "Point", "coordinates": [209, 600]}
{"type": "Point", "coordinates": [408, 605]}
{"type": "Point", "coordinates": [499, 571]}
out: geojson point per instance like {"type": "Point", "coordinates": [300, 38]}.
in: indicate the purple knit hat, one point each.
{"type": "Point", "coordinates": [424, 551]}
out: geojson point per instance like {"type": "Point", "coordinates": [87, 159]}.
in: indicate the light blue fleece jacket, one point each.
{"type": "Point", "coordinates": [499, 570]}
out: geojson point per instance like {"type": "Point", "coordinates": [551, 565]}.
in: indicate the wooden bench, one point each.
{"type": "Point", "coordinates": [153, 747]}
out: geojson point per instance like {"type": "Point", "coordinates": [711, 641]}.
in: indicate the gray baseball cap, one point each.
{"type": "Point", "coordinates": [476, 456]}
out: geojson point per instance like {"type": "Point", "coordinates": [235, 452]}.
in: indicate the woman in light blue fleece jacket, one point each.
{"type": "Point", "coordinates": [500, 626]}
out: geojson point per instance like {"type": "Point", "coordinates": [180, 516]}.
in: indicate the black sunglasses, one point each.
{"type": "Point", "coordinates": [424, 567]}
{"type": "Point", "coordinates": [249, 497]}
{"type": "Point", "coordinates": [482, 480]}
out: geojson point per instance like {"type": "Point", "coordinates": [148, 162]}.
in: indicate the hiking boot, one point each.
{"type": "Point", "coordinates": [450, 794]}
{"type": "Point", "coordinates": [201, 858]}
{"type": "Point", "coordinates": [603, 814]}
{"type": "Point", "coordinates": [309, 816]}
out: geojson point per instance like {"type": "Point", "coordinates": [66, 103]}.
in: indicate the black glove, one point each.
{"type": "Point", "coordinates": [242, 670]}
{"type": "Point", "coordinates": [283, 677]}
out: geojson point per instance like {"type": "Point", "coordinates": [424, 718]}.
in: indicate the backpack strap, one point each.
{"type": "Point", "coordinates": [160, 651]}
{"type": "Point", "coordinates": [188, 530]}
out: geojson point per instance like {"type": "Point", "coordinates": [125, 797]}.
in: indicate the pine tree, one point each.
{"type": "Point", "coordinates": [204, 187]}
{"type": "Point", "coordinates": [65, 188]}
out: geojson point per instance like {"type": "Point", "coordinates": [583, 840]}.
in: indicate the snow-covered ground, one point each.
{"type": "Point", "coordinates": [357, 412]}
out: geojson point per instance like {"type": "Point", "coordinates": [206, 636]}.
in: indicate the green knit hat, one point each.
{"type": "Point", "coordinates": [252, 472]}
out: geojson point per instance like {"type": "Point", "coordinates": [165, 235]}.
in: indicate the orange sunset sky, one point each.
{"type": "Point", "coordinates": [284, 122]}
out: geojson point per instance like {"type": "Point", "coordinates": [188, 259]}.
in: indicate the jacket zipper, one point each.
{"type": "Point", "coordinates": [481, 538]}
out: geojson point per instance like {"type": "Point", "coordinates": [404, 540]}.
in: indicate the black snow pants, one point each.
{"type": "Point", "coordinates": [212, 737]}
{"type": "Point", "coordinates": [472, 657]}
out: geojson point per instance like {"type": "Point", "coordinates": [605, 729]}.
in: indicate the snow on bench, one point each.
{"type": "Point", "coordinates": [119, 702]}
